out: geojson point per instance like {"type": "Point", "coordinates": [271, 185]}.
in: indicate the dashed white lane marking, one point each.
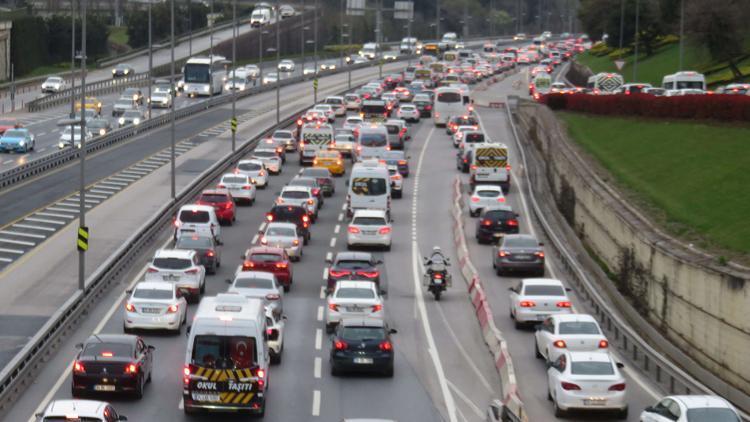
{"type": "Point", "coordinates": [333, 242]}
{"type": "Point", "coordinates": [5, 259]}
{"type": "Point", "coordinates": [341, 217]}
{"type": "Point", "coordinates": [68, 210]}
{"type": "Point", "coordinates": [45, 221]}
{"type": "Point", "coordinates": [337, 229]}
{"type": "Point", "coordinates": [316, 403]}
{"type": "Point", "coordinates": [8, 162]}
{"type": "Point", "coordinates": [13, 251]}
{"type": "Point", "coordinates": [322, 292]}
{"type": "Point", "coordinates": [325, 275]}
{"type": "Point", "coordinates": [318, 339]}
{"type": "Point", "coordinates": [34, 236]}
{"type": "Point", "coordinates": [320, 313]}
{"type": "Point", "coordinates": [329, 256]}
{"type": "Point", "coordinates": [317, 367]}
{"type": "Point", "coordinates": [42, 150]}
{"type": "Point", "coordinates": [16, 242]}
{"type": "Point", "coordinates": [93, 195]}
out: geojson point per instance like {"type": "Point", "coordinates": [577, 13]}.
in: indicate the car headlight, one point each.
{"type": "Point", "coordinates": [205, 88]}
{"type": "Point", "coordinates": [102, 131]}
{"type": "Point", "coordinates": [114, 71]}
{"type": "Point", "coordinates": [127, 71]}
{"type": "Point", "coordinates": [136, 121]}
{"type": "Point", "coordinates": [61, 145]}
{"type": "Point", "coordinates": [135, 97]}
{"type": "Point", "coordinates": [121, 120]}
{"type": "Point", "coordinates": [22, 143]}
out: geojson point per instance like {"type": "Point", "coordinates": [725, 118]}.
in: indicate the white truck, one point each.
{"type": "Point", "coordinates": [490, 164]}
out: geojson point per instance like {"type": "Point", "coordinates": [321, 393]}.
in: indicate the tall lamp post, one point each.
{"type": "Point", "coordinates": [172, 116]}
{"type": "Point", "coordinates": [82, 188]}
{"type": "Point", "coordinates": [150, 59]}
{"type": "Point", "coordinates": [234, 75]}
{"type": "Point", "coordinates": [278, 61]}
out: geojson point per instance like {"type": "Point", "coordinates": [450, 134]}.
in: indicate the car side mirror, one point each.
{"type": "Point", "coordinates": [541, 243]}
{"type": "Point", "coordinates": [152, 348]}
{"type": "Point", "coordinates": [122, 418]}
{"type": "Point", "coordinates": [378, 262]}
{"type": "Point", "coordinates": [650, 409]}
{"type": "Point", "coordinates": [383, 292]}
{"type": "Point", "coordinates": [393, 331]}
{"type": "Point", "coordinates": [129, 291]}
{"type": "Point", "coordinates": [620, 365]}
{"type": "Point", "coordinates": [187, 330]}
{"type": "Point", "coordinates": [284, 317]}
{"type": "Point", "coordinates": [512, 289]}
{"type": "Point", "coordinates": [568, 289]}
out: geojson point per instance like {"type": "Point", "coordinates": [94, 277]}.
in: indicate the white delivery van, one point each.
{"type": "Point", "coordinates": [369, 187]}
{"type": "Point", "coordinates": [372, 141]}
{"type": "Point", "coordinates": [314, 137]}
{"type": "Point", "coordinates": [227, 359]}
{"type": "Point", "coordinates": [449, 101]}
{"type": "Point", "coordinates": [489, 164]}
{"type": "Point", "coordinates": [260, 17]}
{"type": "Point", "coordinates": [197, 219]}
{"type": "Point", "coordinates": [684, 80]}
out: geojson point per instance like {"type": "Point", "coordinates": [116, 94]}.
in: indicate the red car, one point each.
{"type": "Point", "coordinates": [271, 260]}
{"type": "Point", "coordinates": [222, 202]}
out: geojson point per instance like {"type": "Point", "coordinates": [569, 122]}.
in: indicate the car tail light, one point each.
{"type": "Point", "coordinates": [437, 276]}
{"type": "Point", "coordinates": [131, 369]}
{"type": "Point", "coordinates": [338, 273]}
{"type": "Point", "coordinates": [486, 222]}
{"type": "Point", "coordinates": [299, 122]}
{"type": "Point", "coordinates": [473, 167]}
{"type": "Point", "coordinates": [568, 386]}
{"type": "Point", "coordinates": [316, 191]}
{"type": "Point", "coordinates": [503, 254]}
{"type": "Point", "coordinates": [428, 107]}
{"type": "Point", "coordinates": [377, 308]}
{"type": "Point", "coordinates": [269, 217]}
{"type": "Point", "coordinates": [281, 265]}
{"type": "Point", "coordinates": [305, 219]}
{"type": "Point", "coordinates": [247, 187]}
{"type": "Point", "coordinates": [177, 223]}
{"type": "Point", "coordinates": [310, 202]}
{"type": "Point", "coordinates": [368, 274]}
{"type": "Point", "coordinates": [263, 240]}
{"type": "Point", "coordinates": [248, 264]}
{"type": "Point", "coordinates": [474, 199]}
{"type": "Point", "coordinates": [560, 344]}
{"type": "Point", "coordinates": [563, 304]}
{"type": "Point", "coordinates": [540, 254]}
{"type": "Point", "coordinates": [618, 387]}
{"type": "Point", "coordinates": [152, 270]}
{"type": "Point", "coordinates": [384, 230]}
{"type": "Point", "coordinates": [512, 223]}
{"type": "Point", "coordinates": [272, 296]}
{"type": "Point", "coordinates": [501, 199]}
{"type": "Point", "coordinates": [333, 307]}
{"type": "Point", "coordinates": [295, 242]}
{"type": "Point", "coordinates": [221, 186]}
{"type": "Point", "coordinates": [129, 306]}
{"type": "Point", "coordinates": [402, 162]}
{"type": "Point", "coordinates": [172, 309]}
{"type": "Point", "coordinates": [385, 346]}
{"type": "Point", "coordinates": [79, 368]}
{"type": "Point", "coordinates": [340, 345]}
{"type": "Point", "coordinates": [527, 304]}
{"type": "Point", "coordinates": [353, 230]}
{"type": "Point", "coordinates": [210, 254]}
{"type": "Point", "coordinates": [603, 344]}
{"type": "Point", "coordinates": [191, 271]}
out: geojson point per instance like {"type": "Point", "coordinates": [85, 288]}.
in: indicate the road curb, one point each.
{"type": "Point", "coordinates": [493, 338]}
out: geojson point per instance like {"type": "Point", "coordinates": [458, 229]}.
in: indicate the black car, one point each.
{"type": "Point", "coordinates": [112, 363]}
{"type": "Point", "coordinates": [519, 252]}
{"type": "Point", "coordinates": [311, 183]}
{"type": "Point", "coordinates": [123, 70]}
{"type": "Point", "coordinates": [205, 247]}
{"type": "Point", "coordinates": [352, 266]}
{"type": "Point", "coordinates": [424, 107]}
{"type": "Point", "coordinates": [292, 214]}
{"type": "Point", "coordinates": [362, 345]}
{"type": "Point", "coordinates": [456, 121]}
{"type": "Point", "coordinates": [323, 176]}
{"type": "Point", "coordinates": [495, 222]}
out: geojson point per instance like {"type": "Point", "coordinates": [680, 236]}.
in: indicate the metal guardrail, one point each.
{"type": "Point", "coordinates": [14, 377]}
{"type": "Point", "coordinates": [48, 162]}
{"type": "Point", "coordinates": [96, 88]}
{"type": "Point", "coordinates": [626, 337]}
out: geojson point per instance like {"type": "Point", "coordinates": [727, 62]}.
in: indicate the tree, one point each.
{"type": "Point", "coordinates": [722, 29]}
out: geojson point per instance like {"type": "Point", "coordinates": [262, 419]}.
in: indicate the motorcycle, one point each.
{"type": "Point", "coordinates": [437, 278]}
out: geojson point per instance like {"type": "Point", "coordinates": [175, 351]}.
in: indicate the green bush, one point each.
{"type": "Point", "coordinates": [619, 53]}
{"type": "Point", "coordinates": [346, 48]}
{"type": "Point", "coordinates": [600, 49]}
{"type": "Point", "coordinates": [28, 44]}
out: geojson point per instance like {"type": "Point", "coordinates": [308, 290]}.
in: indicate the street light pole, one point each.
{"type": "Point", "coordinates": [302, 36]}
{"type": "Point", "coordinates": [174, 91]}
{"type": "Point", "coordinates": [211, 54]}
{"type": "Point", "coordinates": [315, 40]}
{"type": "Point", "coordinates": [190, 29]}
{"type": "Point", "coordinates": [73, 69]}
{"type": "Point", "coordinates": [278, 60]}
{"type": "Point", "coordinates": [437, 21]}
{"type": "Point", "coordinates": [234, 76]}
{"type": "Point", "coordinates": [349, 80]}
{"type": "Point", "coordinates": [261, 31]}
{"type": "Point", "coordinates": [622, 22]}
{"type": "Point", "coordinates": [682, 31]}
{"type": "Point", "coordinates": [150, 59]}
{"type": "Point", "coordinates": [82, 188]}
{"type": "Point", "coordinates": [341, 34]}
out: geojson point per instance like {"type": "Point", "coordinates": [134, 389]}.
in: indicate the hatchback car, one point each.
{"type": "Point", "coordinates": [485, 196]}
{"type": "Point", "coordinates": [222, 202]}
{"type": "Point", "coordinates": [300, 196]}
{"type": "Point", "coordinates": [283, 235]}
{"type": "Point", "coordinates": [79, 410]}
{"type": "Point", "coordinates": [352, 101]}
{"type": "Point", "coordinates": [353, 299]}
{"type": "Point", "coordinates": [270, 259]}
{"type": "Point", "coordinates": [270, 158]}
{"type": "Point", "coordinates": [155, 305]}
{"type": "Point", "coordinates": [255, 170]}
{"type": "Point", "coordinates": [131, 117]}
{"type": "Point", "coordinates": [259, 285]}
{"type": "Point", "coordinates": [495, 222]}
{"type": "Point", "coordinates": [292, 214]}
{"type": "Point", "coordinates": [112, 363]}
{"type": "Point", "coordinates": [369, 228]}
{"type": "Point", "coordinates": [199, 219]}
{"type": "Point", "coordinates": [180, 267]}
{"type": "Point", "coordinates": [324, 178]}
{"type": "Point", "coordinates": [520, 253]}
{"type": "Point", "coordinates": [687, 408]}
{"type": "Point", "coordinates": [353, 123]}
{"type": "Point", "coordinates": [574, 332]}
{"type": "Point", "coordinates": [239, 186]}
{"type": "Point", "coordinates": [533, 300]}
{"type": "Point", "coordinates": [205, 247]}
{"type": "Point", "coordinates": [122, 105]}
{"type": "Point", "coordinates": [362, 344]}
{"type": "Point", "coordinates": [312, 184]}
{"type": "Point", "coordinates": [99, 126]}
{"type": "Point", "coordinates": [423, 103]}
{"type": "Point", "coordinates": [134, 93]}
{"type": "Point", "coordinates": [408, 112]}
{"type": "Point", "coordinates": [286, 138]}
{"type": "Point", "coordinates": [352, 266]}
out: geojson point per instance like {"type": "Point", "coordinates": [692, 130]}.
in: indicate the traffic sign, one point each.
{"type": "Point", "coordinates": [234, 124]}
{"type": "Point", "coordinates": [619, 63]}
{"type": "Point", "coordinates": [83, 238]}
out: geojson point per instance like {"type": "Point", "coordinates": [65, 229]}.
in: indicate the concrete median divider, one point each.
{"type": "Point", "coordinates": [493, 338]}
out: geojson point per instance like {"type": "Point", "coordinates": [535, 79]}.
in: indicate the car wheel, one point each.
{"type": "Point", "coordinates": [287, 288]}
{"type": "Point", "coordinates": [388, 248]}
{"type": "Point", "coordinates": [329, 328]}
{"type": "Point", "coordinates": [125, 329]}
{"type": "Point", "coordinates": [203, 287]}
{"type": "Point", "coordinates": [519, 325]}
{"type": "Point", "coordinates": [622, 414]}
{"type": "Point", "coordinates": [536, 350]}
{"type": "Point", "coordinates": [138, 393]}
{"type": "Point", "coordinates": [335, 371]}
{"type": "Point", "coordinates": [307, 240]}
{"type": "Point", "coordinates": [388, 372]}
{"type": "Point", "coordinates": [499, 271]}
{"type": "Point", "coordinates": [218, 264]}
{"type": "Point", "coordinates": [559, 413]}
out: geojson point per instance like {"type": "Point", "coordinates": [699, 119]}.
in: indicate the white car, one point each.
{"type": "Point", "coordinates": [533, 300]}
{"type": "Point", "coordinates": [369, 228]}
{"type": "Point", "coordinates": [309, 69]}
{"type": "Point", "coordinates": [275, 331]}
{"type": "Point", "coordinates": [337, 102]}
{"type": "Point", "coordinates": [68, 140]}
{"type": "Point", "coordinates": [180, 267]}
{"type": "Point", "coordinates": [327, 66]}
{"type": "Point", "coordinates": [237, 83]}
{"type": "Point", "coordinates": [155, 305]}
{"type": "Point", "coordinates": [390, 56]}
{"type": "Point", "coordinates": [285, 137]}
{"type": "Point", "coordinates": [587, 381]}
{"type": "Point", "coordinates": [301, 196]}
{"type": "Point", "coordinates": [270, 78]}
{"type": "Point", "coordinates": [253, 71]}
{"type": "Point", "coordinates": [353, 123]}
{"type": "Point", "coordinates": [270, 159]}
{"type": "Point", "coordinates": [408, 112]}
{"type": "Point", "coordinates": [53, 84]}
{"type": "Point", "coordinates": [484, 196]}
{"type": "Point", "coordinates": [79, 410]}
{"type": "Point", "coordinates": [197, 219]}
{"type": "Point", "coordinates": [458, 137]}
{"type": "Point", "coordinates": [260, 285]}
{"type": "Point", "coordinates": [255, 170]}
{"type": "Point", "coordinates": [352, 101]}
{"type": "Point", "coordinates": [689, 408]}
{"type": "Point", "coordinates": [160, 99]}
{"type": "Point", "coordinates": [286, 66]}
{"type": "Point", "coordinates": [327, 111]}
{"type": "Point", "coordinates": [351, 299]}
{"type": "Point", "coordinates": [240, 186]}
{"type": "Point", "coordinates": [283, 235]}
{"type": "Point", "coordinates": [574, 332]}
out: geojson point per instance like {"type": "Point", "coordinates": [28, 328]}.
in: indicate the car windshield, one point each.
{"type": "Point", "coordinates": [234, 179]}
{"type": "Point", "coordinates": [303, 181]}
{"type": "Point", "coordinates": [249, 166]}
{"type": "Point", "coordinates": [107, 349]}
{"type": "Point", "coordinates": [15, 133]}
{"type": "Point", "coordinates": [711, 414]}
{"type": "Point", "coordinates": [487, 193]}
{"type": "Point", "coordinates": [369, 221]}
{"type": "Point", "coordinates": [124, 103]}
{"type": "Point", "coordinates": [408, 108]}
{"type": "Point", "coordinates": [354, 293]}
{"type": "Point", "coordinates": [214, 198]}
{"type": "Point", "coordinates": [472, 138]}
{"type": "Point", "coordinates": [500, 215]}
{"type": "Point", "coordinates": [355, 334]}
{"type": "Point", "coordinates": [592, 368]}
{"type": "Point", "coordinates": [224, 352]}
{"type": "Point", "coordinates": [265, 257]}
{"type": "Point", "coordinates": [578, 327]}
{"type": "Point", "coordinates": [288, 212]}
{"type": "Point", "coordinates": [132, 113]}
{"type": "Point", "coordinates": [152, 293]}
{"type": "Point", "coordinates": [369, 186]}
{"type": "Point", "coordinates": [449, 97]}
{"type": "Point", "coordinates": [393, 129]}
{"type": "Point", "coordinates": [172, 263]}
{"type": "Point", "coordinates": [295, 194]}
{"type": "Point", "coordinates": [264, 154]}
{"type": "Point", "coordinates": [281, 231]}
{"type": "Point", "coordinates": [352, 265]}
{"type": "Point", "coordinates": [520, 242]}
{"type": "Point", "coordinates": [543, 290]}
{"type": "Point", "coordinates": [194, 216]}
{"type": "Point", "coordinates": [122, 66]}
{"type": "Point", "coordinates": [282, 135]}
{"type": "Point", "coordinates": [373, 140]}
{"type": "Point", "coordinates": [253, 283]}
{"type": "Point", "coordinates": [193, 242]}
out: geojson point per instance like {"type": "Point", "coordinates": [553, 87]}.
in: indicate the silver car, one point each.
{"type": "Point", "coordinates": [240, 186]}
{"type": "Point", "coordinates": [484, 196]}
{"type": "Point", "coordinates": [283, 235]}
{"type": "Point", "coordinates": [286, 138]}
{"type": "Point", "coordinates": [260, 285]}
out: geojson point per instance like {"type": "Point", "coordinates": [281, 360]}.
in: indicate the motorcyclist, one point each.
{"type": "Point", "coordinates": [436, 260]}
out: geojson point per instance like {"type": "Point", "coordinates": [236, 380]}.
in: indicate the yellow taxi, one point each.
{"type": "Point", "coordinates": [332, 160]}
{"type": "Point", "coordinates": [91, 104]}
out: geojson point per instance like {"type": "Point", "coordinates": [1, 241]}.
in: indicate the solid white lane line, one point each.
{"type": "Point", "coordinates": [320, 313]}
{"type": "Point", "coordinates": [16, 242]}
{"type": "Point", "coordinates": [45, 221]}
{"type": "Point", "coordinates": [30, 227]}
{"type": "Point", "coordinates": [318, 339]}
{"type": "Point", "coordinates": [337, 229]}
{"type": "Point", "coordinates": [12, 251]}
{"type": "Point", "coordinates": [466, 400]}
{"type": "Point", "coordinates": [318, 367]}
{"type": "Point", "coordinates": [35, 236]}
{"type": "Point", "coordinates": [316, 403]}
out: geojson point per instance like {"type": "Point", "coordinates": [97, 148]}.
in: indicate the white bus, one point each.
{"type": "Point", "coordinates": [204, 76]}
{"type": "Point", "coordinates": [684, 80]}
{"type": "Point", "coordinates": [449, 101]}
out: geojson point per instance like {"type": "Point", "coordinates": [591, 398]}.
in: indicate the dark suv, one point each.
{"type": "Point", "coordinates": [352, 266]}
{"type": "Point", "coordinates": [291, 214]}
{"type": "Point", "coordinates": [362, 344]}
{"type": "Point", "coordinates": [495, 222]}
{"type": "Point", "coordinates": [323, 177]}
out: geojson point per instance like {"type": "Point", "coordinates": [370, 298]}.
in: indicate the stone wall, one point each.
{"type": "Point", "coordinates": [695, 302]}
{"type": "Point", "coordinates": [5, 28]}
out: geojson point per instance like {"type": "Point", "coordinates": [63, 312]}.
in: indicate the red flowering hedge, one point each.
{"type": "Point", "coordinates": [715, 107]}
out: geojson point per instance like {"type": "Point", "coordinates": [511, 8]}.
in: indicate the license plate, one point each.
{"type": "Point", "coordinates": [170, 277]}
{"type": "Point", "coordinates": [498, 235]}
{"type": "Point", "coordinates": [150, 310]}
{"type": "Point", "coordinates": [363, 361]}
{"type": "Point", "coordinates": [205, 397]}
{"type": "Point", "coordinates": [308, 153]}
{"type": "Point", "coordinates": [368, 232]}
{"type": "Point", "coordinates": [104, 387]}
{"type": "Point", "coordinates": [353, 309]}
{"type": "Point", "coordinates": [541, 317]}
{"type": "Point", "coordinates": [594, 402]}
{"type": "Point", "coordinates": [523, 257]}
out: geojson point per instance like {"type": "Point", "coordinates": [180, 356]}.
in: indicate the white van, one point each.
{"type": "Point", "coordinates": [227, 359]}
{"type": "Point", "coordinates": [313, 138]}
{"type": "Point", "coordinates": [197, 219]}
{"type": "Point", "coordinates": [368, 187]}
{"type": "Point", "coordinates": [449, 101]}
{"type": "Point", "coordinates": [372, 141]}
{"type": "Point", "coordinates": [540, 85]}
{"type": "Point", "coordinates": [260, 17]}
{"type": "Point", "coordinates": [684, 80]}
{"type": "Point", "coordinates": [490, 164]}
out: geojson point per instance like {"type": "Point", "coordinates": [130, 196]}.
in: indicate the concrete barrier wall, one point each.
{"type": "Point", "coordinates": [687, 295]}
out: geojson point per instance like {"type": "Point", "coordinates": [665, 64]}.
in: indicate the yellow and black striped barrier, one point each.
{"type": "Point", "coordinates": [83, 239]}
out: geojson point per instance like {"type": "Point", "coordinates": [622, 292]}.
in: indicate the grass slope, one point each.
{"type": "Point", "coordinates": [695, 175]}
